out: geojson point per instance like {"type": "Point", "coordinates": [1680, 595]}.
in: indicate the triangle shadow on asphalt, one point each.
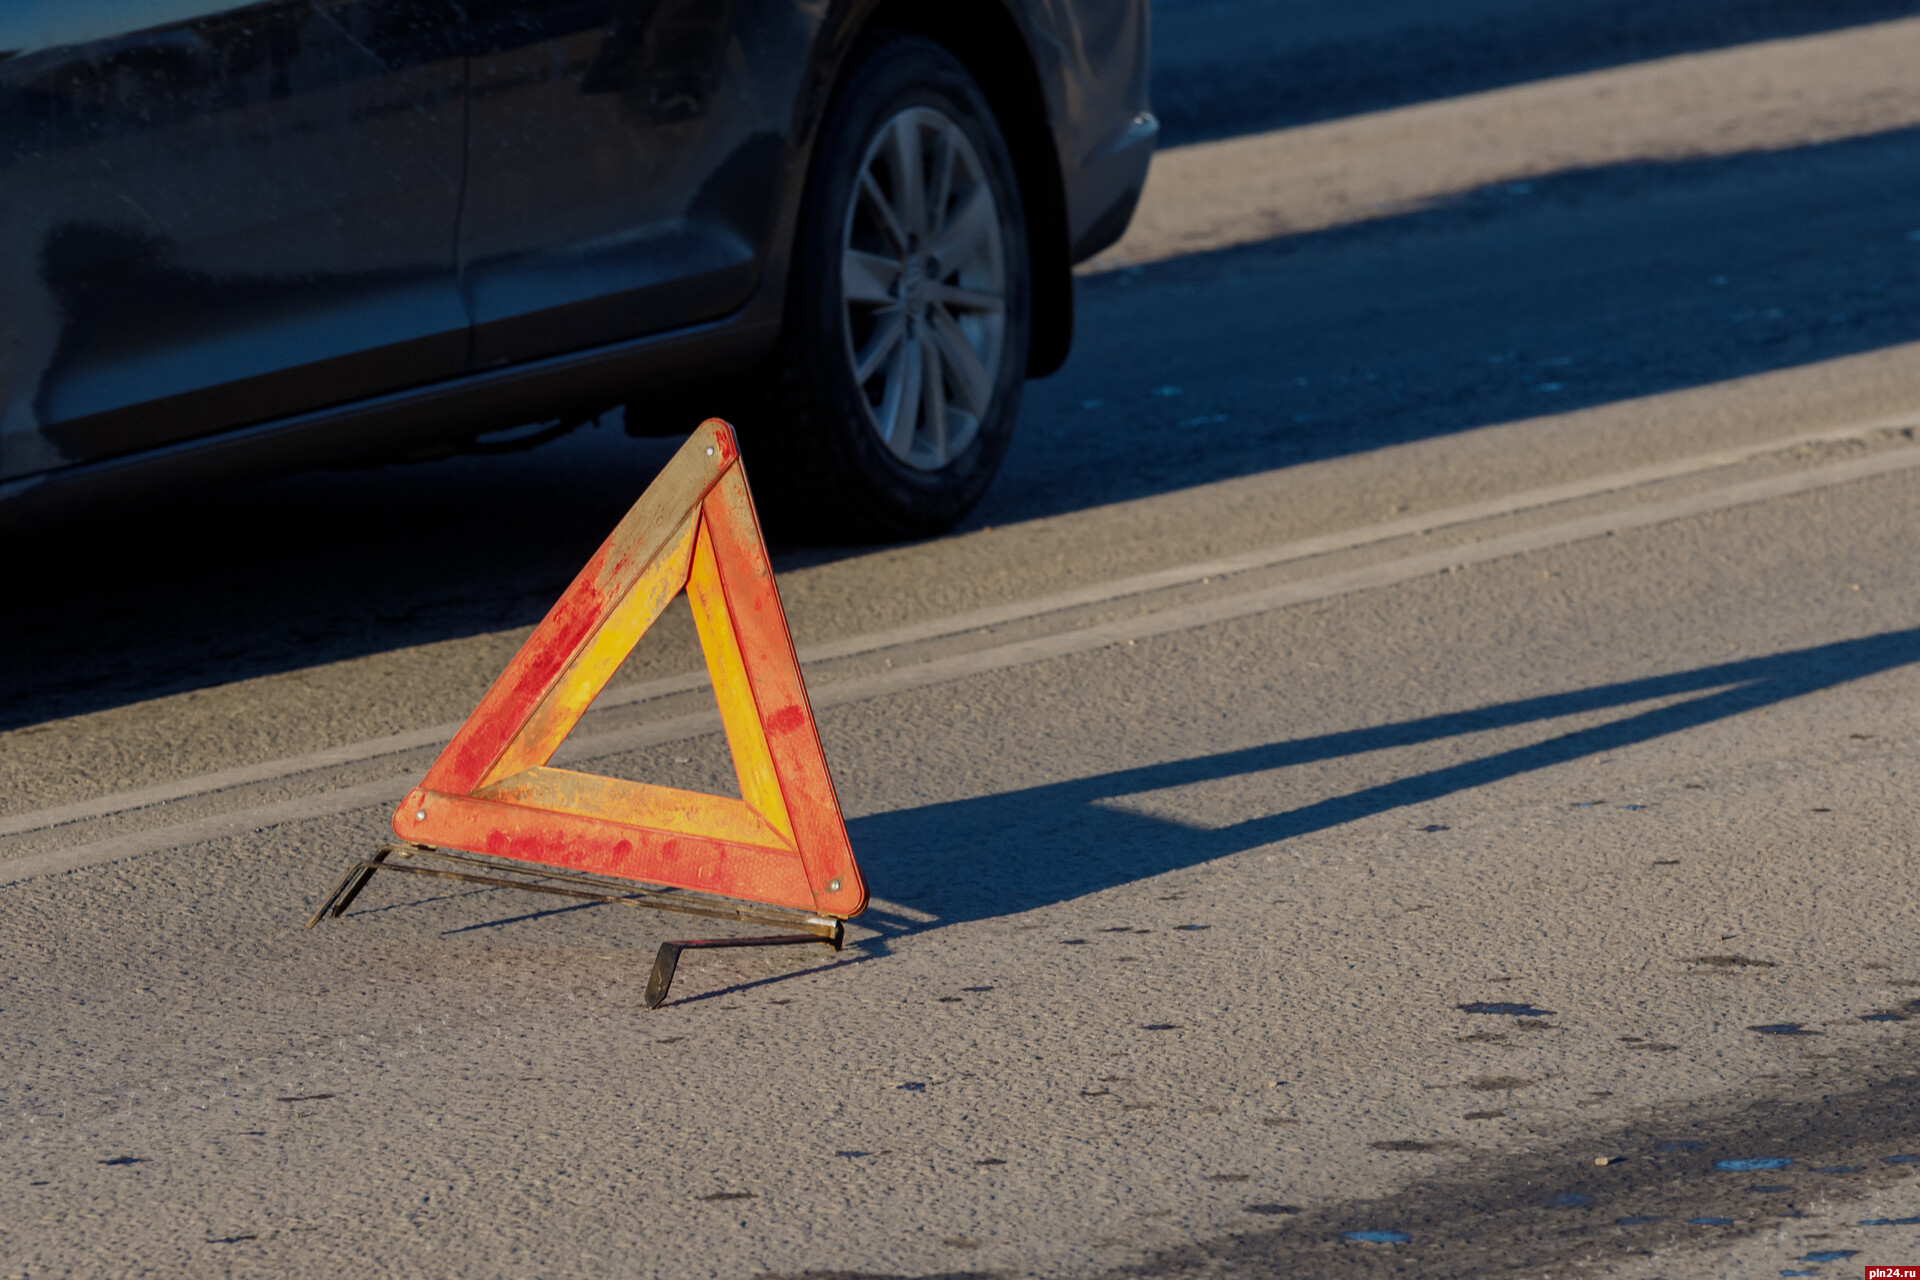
{"type": "Point", "coordinates": [1016, 851]}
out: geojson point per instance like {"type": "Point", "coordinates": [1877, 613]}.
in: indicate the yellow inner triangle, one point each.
{"type": "Point", "coordinates": [520, 775]}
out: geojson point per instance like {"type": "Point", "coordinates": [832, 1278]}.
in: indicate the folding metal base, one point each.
{"type": "Point", "coordinates": [512, 875]}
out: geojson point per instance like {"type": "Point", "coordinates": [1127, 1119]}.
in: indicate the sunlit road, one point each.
{"type": "Point", "coordinates": [1410, 771]}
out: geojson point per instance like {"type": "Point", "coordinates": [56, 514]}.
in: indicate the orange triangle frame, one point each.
{"type": "Point", "coordinates": [783, 843]}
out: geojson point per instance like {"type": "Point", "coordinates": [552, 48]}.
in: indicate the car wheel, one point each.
{"type": "Point", "coordinates": [898, 380]}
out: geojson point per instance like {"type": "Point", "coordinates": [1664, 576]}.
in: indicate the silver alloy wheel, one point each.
{"type": "Point", "coordinates": [923, 283]}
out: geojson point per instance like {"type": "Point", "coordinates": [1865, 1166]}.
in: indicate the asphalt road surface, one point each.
{"type": "Point", "coordinates": [1410, 772]}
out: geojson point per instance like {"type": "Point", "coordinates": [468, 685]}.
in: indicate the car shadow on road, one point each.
{"type": "Point", "coordinates": [1394, 319]}
{"type": "Point", "coordinates": [1482, 309]}
{"type": "Point", "coordinates": [1052, 843]}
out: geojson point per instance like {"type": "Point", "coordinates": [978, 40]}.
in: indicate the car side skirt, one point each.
{"type": "Point", "coordinates": [458, 409]}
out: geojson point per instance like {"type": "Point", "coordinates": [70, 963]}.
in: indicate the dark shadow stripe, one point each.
{"type": "Point", "coordinates": [1200, 100]}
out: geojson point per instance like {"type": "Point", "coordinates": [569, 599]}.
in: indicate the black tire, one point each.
{"type": "Point", "coordinates": [821, 465]}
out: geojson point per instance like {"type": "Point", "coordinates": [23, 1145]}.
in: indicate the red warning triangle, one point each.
{"type": "Point", "coordinates": [782, 843]}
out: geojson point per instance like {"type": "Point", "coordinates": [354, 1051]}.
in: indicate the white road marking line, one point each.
{"type": "Point", "coordinates": [324, 804]}
{"type": "Point", "coordinates": [973, 620]}
{"type": "Point", "coordinates": [224, 779]}
{"type": "Point", "coordinates": [1345, 540]}
{"type": "Point", "coordinates": [959, 666]}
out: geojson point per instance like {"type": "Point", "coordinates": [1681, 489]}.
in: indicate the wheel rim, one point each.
{"type": "Point", "coordinates": [923, 283]}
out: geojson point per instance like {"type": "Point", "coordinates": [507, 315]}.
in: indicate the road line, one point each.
{"type": "Point", "coordinates": [223, 780]}
{"type": "Point", "coordinates": [1345, 540]}
{"type": "Point", "coordinates": [1183, 617]}
{"type": "Point", "coordinates": [976, 619]}
{"type": "Point", "coordinates": [324, 804]}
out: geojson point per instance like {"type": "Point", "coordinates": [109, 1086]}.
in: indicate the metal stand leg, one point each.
{"type": "Point", "coordinates": [668, 958]}
{"type": "Point", "coordinates": [827, 929]}
{"type": "Point", "coordinates": [349, 887]}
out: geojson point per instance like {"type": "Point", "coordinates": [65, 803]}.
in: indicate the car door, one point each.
{"type": "Point", "coordinates": [215, 213]}
{"type": "Point", "coordinates": [623, 156]}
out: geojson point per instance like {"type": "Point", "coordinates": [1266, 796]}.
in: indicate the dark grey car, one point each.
{"type": "Point", "coordinates": [241, 237]}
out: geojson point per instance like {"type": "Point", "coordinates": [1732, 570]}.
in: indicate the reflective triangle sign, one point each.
{"type": "Point", "coordinates": [783, 843]}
